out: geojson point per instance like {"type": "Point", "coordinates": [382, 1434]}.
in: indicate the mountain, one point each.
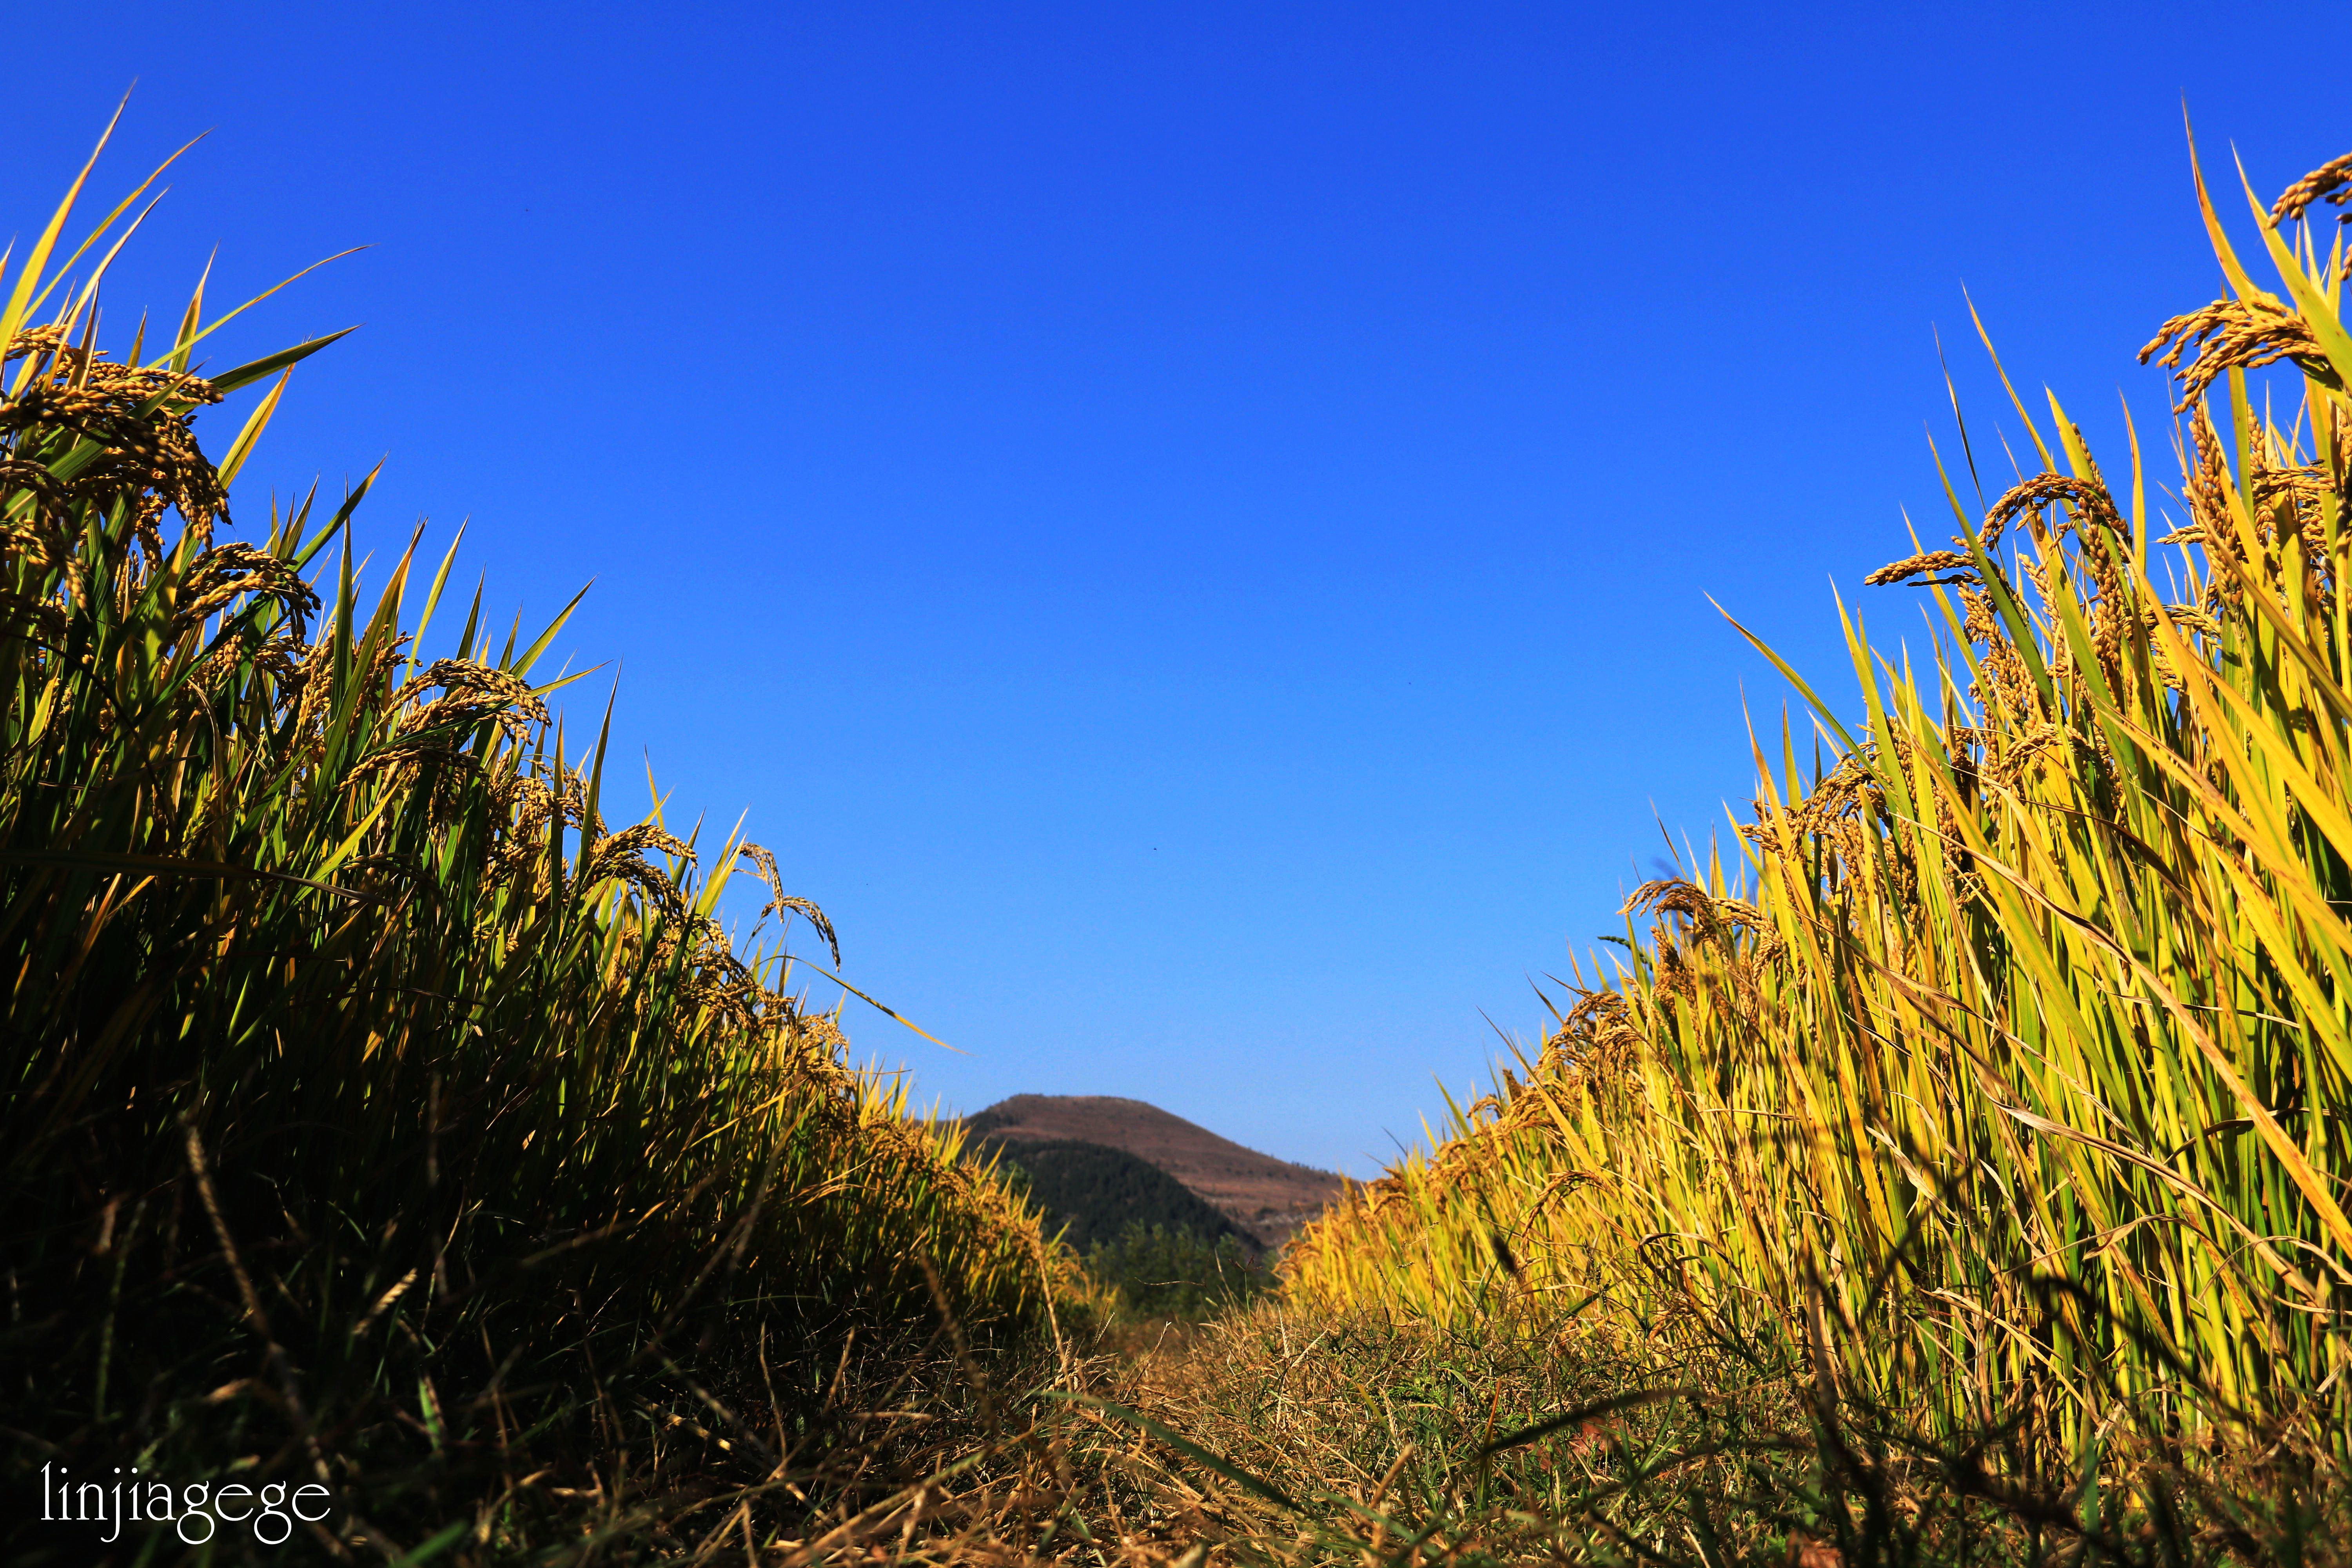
{"type": "Point", "coordinates": [1266, 1198]}
{"type": "Point", "coordinates": [1098, 1191]}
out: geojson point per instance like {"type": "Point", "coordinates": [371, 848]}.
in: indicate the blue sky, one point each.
{"type": "Point", "coordinates": [1188, 529]}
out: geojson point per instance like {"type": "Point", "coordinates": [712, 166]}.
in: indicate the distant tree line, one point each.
{"type": "Point", "coordinates": [1167, 1252]}
{"type": "Point", "coordinates": [1098, 1193]}
{"type": "Point", "coordinates": [1163, 1273]}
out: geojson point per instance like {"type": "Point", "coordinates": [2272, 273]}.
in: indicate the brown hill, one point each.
{"type": "Point", "coordinates": [1266, 1197]}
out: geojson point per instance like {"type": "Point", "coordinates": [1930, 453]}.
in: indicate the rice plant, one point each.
{"type": "Point", "coordinates": [375, 1112]}
{"type": "Point", "coordinates": [1996, 1094]}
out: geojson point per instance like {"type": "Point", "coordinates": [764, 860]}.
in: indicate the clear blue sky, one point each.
{"type": "Point", "coordinates": [1186, 527]}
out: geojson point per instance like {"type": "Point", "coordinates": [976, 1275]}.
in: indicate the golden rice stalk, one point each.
{"type": "Point", "coordinates": [2007, 1073]}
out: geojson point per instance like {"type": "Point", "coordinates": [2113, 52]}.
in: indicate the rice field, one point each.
{"type": "Point", "coordinates": [1956, 1168]}
{"type": "Point", "coordinates": [1994, 1089]}
{"type": "Point", "coordinates": [377, 1112]}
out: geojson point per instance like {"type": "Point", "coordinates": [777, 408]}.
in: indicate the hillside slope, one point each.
{"type": "Point", "coordinates": [1097, 1192]}
{"type": "Point", "coordinates": [1266, 1198]}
